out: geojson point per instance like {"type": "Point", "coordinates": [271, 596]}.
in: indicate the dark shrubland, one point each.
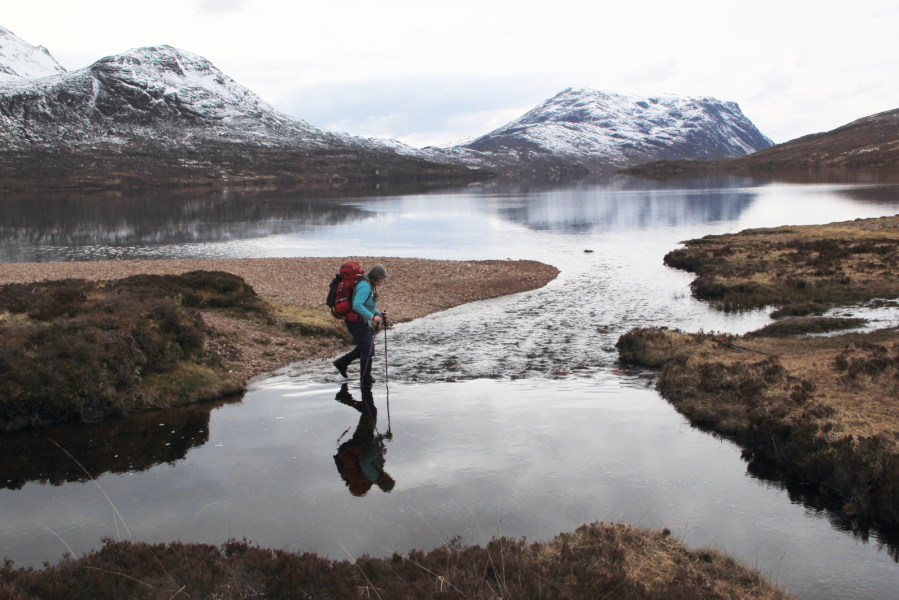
{"type": "Point", "coordinates": [76, 350]}
{"type": "Point", "coordinates": [595, 561]}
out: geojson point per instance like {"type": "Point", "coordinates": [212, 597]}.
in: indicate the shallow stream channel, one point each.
{"type": "Point", "coordinates": [504, 417]}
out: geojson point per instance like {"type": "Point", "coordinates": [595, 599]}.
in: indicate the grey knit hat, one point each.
{"type": "Point", "coordinates": [377, 273]}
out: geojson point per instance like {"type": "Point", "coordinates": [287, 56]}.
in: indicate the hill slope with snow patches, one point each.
{"type": "Point", "coordinates": [602, 128]}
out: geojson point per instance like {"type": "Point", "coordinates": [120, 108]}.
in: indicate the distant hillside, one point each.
{"type": "Point", "coordinates": [868, 143]}
{"type": "Point", "coordinates": [598, 130]}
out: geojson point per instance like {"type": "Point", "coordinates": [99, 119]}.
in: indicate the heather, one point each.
{"type": "Point", "coordinates": [595, 561]}
{"type": "Point", "coordinates": [80, 351]}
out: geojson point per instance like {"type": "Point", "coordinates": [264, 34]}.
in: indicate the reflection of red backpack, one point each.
{"type": "Point", "coordinates": [347, 461]}
{"type": "Point", "coordinates": [340, 292]}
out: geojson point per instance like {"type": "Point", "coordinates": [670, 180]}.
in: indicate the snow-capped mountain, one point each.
{"type": "Point", "coordinates": [162, 116]}
{"type": "Point", "coordinates": [871, 142]}
{"type": "Point", "coordinates": [170, 91]}
{"type": "Point", "coordinates": [21, 60]}
{"type": "Point", "coordinates": [596, 128]}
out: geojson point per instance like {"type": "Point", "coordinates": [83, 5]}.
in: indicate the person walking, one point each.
{"type": "Point", "coordinates": [365, 304]}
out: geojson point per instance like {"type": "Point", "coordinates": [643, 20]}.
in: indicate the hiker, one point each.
{"type": "Point", "coordinates": [365, 305]}
{"type": "Point", "coordinates": [360, 460]}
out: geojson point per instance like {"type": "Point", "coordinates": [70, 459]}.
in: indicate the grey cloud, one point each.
{"type": "Point", "coordinates": [775, 82]}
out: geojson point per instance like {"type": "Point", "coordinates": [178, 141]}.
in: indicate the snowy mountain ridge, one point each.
{"type": "Point", "coordinates": [163, 92]}
{"type": "Point", "coordinates": [188, 120]}
{"type": "Point", "coordinates": [21, 60]}
{"type": "Point", "coordinates": [599, 127]}
{"type": "Point", "coordinates": [163, 116]}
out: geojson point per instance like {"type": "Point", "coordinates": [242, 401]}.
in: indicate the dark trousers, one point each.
{"type": "Point", "coordinates": [364, 350]}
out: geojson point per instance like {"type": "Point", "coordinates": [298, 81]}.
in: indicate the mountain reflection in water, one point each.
{"type": "Point", "coordinates": [264, 223]}
{"type": "Point", "coordinates": [135, 443]}
{"type": "Point", "coordinates": [32, 230]}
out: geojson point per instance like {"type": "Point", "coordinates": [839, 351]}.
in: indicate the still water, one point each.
{"type": "Point", "coordinates": [509, 416]}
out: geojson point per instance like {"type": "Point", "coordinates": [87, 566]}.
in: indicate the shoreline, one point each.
{"type": "Point", "coordinates": [598, 560]}
{"type": "Point", "coordinates": [280, 318]}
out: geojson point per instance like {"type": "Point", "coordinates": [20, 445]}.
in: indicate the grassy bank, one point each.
{"type": "Point", "coordinates": [77, 350]}
{"type": "Point", "coordinates": [819, 410]}
{"type": "Point", "coordinates": [595, 561]}
{"type": "Point", "coordinates": [824, 410]}
{"type": "Point", "coordinates": [802, 269]}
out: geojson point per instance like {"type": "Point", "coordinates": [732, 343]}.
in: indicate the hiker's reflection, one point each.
{"type": "Point", "coordinates": [360, 460]}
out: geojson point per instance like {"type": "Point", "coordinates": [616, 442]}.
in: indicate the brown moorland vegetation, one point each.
{"type": "Point", "coordinates": [822, 410]}
{"type": "Point", "coordinates": [595, 561]}
{"type": "Point", "coordinates": [800, 268]}
{"type": "Point", "coordinates": [77, 350]}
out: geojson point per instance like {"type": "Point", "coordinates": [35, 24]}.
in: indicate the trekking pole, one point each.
{"type": "Point", "coordinates": [386, 379]}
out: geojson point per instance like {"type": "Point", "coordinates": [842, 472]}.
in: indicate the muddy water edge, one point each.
{"type": "Point", "coordinates": [506, 417]}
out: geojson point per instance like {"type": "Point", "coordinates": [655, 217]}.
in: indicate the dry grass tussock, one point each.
{"type": "Point", "coordinates": [824, 409]}
{"type": "Point", "coordinates": [800, 268]}
{"type": "Point", "coordinates": [595, 561]}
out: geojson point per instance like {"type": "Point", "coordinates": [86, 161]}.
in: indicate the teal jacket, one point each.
{"type": "Point", "coordinates": [364, 303]}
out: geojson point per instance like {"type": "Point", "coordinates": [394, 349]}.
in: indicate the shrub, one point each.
{"type": "Point", "coordinates": [89, 346]}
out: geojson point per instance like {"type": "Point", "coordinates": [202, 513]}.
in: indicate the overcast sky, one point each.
{"type": "Point", "coordinates": [429, 72]}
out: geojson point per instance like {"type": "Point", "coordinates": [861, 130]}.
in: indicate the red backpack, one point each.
{"type": "Point", "coordinates": [340, 292]}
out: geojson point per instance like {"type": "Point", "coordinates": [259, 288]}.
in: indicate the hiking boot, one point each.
{"type": "Point", "coordinates": [340, 366]}
{"type": "Point", "coordinates": [344, 395]}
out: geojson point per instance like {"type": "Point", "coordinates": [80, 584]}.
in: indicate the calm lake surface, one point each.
{"type": "Point", "coordinates": [504, 417]}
